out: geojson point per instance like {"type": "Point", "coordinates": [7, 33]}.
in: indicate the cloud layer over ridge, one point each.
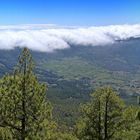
{"type": "Point", "coordinates": [47, 38]}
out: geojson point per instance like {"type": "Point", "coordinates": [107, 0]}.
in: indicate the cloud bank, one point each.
{"type": "Point", "coordinates": [47, 38]}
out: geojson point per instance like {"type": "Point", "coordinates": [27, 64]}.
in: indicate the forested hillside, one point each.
{"type": "Point", "coordinates": [72, 74]}
{"type": "Point", "coordinates": [27, 114]}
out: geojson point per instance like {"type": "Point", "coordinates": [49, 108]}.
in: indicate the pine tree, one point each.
{"type": "Point", "coordinates": [101, 117]}
{"type": "Point", "coordinates": [130, 126]}
{"type": "Point", "coordinates": [24, 108]}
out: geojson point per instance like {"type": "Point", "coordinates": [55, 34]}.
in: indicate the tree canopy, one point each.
{"type": "Point", "coordinates": [25, 111]}
{"type": "Point", "coordinates": [105, 116]}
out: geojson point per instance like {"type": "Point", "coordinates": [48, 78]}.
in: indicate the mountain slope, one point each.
{"type": "Point", "coordinates": [72, 74]}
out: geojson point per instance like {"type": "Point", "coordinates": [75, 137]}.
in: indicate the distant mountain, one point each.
{"type": "Point", "coordinates": [72, 74]}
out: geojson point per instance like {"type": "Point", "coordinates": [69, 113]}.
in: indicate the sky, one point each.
{"type": "Point", "coordinates": [70, 12]}
{"type": "Point", "coordinates": [49, 25]}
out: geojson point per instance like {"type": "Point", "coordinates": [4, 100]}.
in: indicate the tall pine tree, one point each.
{"type": "Point", "coordinates": [25, 111]}
{"type": "Point", "coordinates": [102, 117]}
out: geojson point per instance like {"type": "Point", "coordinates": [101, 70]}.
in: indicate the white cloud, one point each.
{"type": "Point", "coordinates": [49, 37]}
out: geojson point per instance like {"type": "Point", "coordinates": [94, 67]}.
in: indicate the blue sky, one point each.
{"type": "Point", "coordinates": [70, 12]}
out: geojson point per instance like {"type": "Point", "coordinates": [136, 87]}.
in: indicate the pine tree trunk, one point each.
{"type": "Point", "coordinates": [105, 120]}
{"type": "Point", "coordinates": [23, 132]}
{"type": "Point", "coordinates": [99, 126]}
{"type": "Point", "coordinates": [23, 122]}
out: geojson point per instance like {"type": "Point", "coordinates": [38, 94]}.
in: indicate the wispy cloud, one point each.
{"type": "Point", "coordinates": [49, 37]}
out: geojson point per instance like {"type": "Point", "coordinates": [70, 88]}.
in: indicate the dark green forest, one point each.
{"type": "Point", "coordinates": [27, 112]}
